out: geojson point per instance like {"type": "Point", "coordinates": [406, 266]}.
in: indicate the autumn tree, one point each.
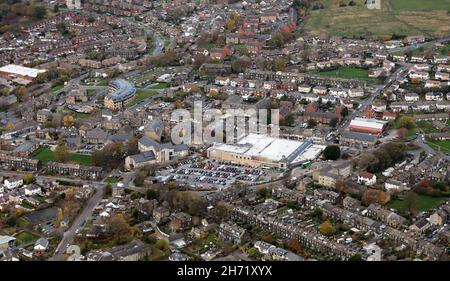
{"type": "Point", "coordinates": [28, 178]}
{"type": "Point", "coordinates": [294, 246]}
{"type": "Point", "coordinates": [279, 64]}
{"type": "Point", "coordinates": [60, 217]}
{"type": "Point", "coordinates": [374, 196]}
{"type": "Point", "coordinates": [118, 227]}
{"type": "Point", "coordinates": [326, 228]}
{"type": "Point", "coordinates": [406, 122]}
{"type": "Point", "coordinates": [22, 90]}
{"type": "Point", "coordinates": [61, 153]}
{"type": "Point", "coordinates": [68, 120]}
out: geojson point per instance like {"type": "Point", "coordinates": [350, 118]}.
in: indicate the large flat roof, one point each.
{"type": "Point", "coordinates": [21, 70]}
{"type": "Point", "coordinates": [256, 145]}
{"type": "Point", "coordinates": [369, 123]}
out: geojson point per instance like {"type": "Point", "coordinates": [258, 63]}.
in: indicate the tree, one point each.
{"type": "Point", "coordinates": [118, 227]}
{"type": "Point", "coordinates": [60, 217]}
{"type": "Point", "coordinates": [332, 152]}
{"type": "Point", "coordinates": [333, 122]}
{"type": "Point", "coordinates": [22, 90]}
{"type": "Point", "coordinates": [344, 112]}
{"type": "Point", "coordinates": [178, 104]}
{"type": "Point", "coordinates": [374, 196]}
{"type": "Point", "coordinates": [355, 257]}
{"type": "Point", "coordinates": [162, 245]}
{"type": "Point", "coordinates": [401, 133]}
{"type": "Point", "coordinates": [280, 64]}
{"type": "Point", "coordinates": [151, 194]}
{"type": "Point", "coordinates": [68, 120]}
{"type": "Point", "coordinates": [317, 213]}
{"type": "Point", "coordinates": [61, 153]}
{"type": "Point", "coordinates": [37, 11]}
{"type": "Point", "coordinates": [406, 122]}
{"type": "Point", "coordinates": [252, 252]}
{"type": "Point", "coordinates": [326, 228]}
{"type": "Point", "coordinates": [107, 192]}
{"type": "Point", "coordinates": [5, 91]}
{"type": "Point", "coordinates": [28, 178]}
{"type": "Point", "coordinates": [411, 202]}
{"type": "Point", "coordinates": [294, 246]}
{"type": "Point", "coordinates": [264, 193]}
{"type": "Point", "coordinates": [311, 123]}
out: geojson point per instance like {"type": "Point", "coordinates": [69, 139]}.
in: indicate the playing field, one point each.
{"type": "Point", "coordinates": [399, 17]}
{"type": "Point", "coordinates": [45, 154]}
{"type": "Point", "coordinates": [349, 73]}
{"type": "Point", "coordinates": [423, 203]}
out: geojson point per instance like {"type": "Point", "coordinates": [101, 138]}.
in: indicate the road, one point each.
{"type": "Point", "coordinates": [69, 235]}
{"type": "Point", "coordinates": [411, 47]}
{"type": "Point", "coordinates": [420, 141]}
{"type": "Point", "coordinates": [370, 99]}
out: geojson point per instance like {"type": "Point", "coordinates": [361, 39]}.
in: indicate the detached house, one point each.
{"type": "Point", "coordinates": [367, 178]}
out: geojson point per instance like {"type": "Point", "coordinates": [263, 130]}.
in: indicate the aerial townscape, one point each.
{"type": "Point", "coordinates": [116, 143]}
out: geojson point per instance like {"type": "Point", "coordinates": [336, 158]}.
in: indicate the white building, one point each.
{"type": "Point", "coordinates": [367, 178]}
{"type": "Point", "coordinates": [13, 182]}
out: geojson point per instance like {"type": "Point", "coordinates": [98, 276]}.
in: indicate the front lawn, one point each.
{"type": "Point", "coordinates": [45, 155]}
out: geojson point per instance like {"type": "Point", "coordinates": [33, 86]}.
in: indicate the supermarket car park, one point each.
{"type": "Point", "coordinates": [213, 174]}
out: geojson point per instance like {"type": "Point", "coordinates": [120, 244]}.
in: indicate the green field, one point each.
{"type": "Point", "coordinates": [419, 5]}
{"type": "Point", "coordinates": [349, 73]}
{"type": "Point", "coordinates": [26, 238]}
{"type": "Point", "coordinates": [45, 155]}
{"type": "Point", "coordinates": [112, 180]}
{"type": "Point", "coordinates": [442, 145]}
{"type": "Point", "coordinates": [399, 17]}
{"type": "Point", "coordinates": [103, 83]}
{"type": "Point", "coordinates": [57, 87]}
{"type": "Point", "coordinates": [424, 203]}
{"type": "Point", "coordinates": [160, 86]}
{"type": "Point", "coordinates": [140, 96]}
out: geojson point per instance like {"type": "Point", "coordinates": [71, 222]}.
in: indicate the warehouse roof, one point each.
{"type": "Point", "coordinates": [21, 70]}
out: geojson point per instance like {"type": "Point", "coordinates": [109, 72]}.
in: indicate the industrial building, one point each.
{"type": "Point", "coordinates": [20, 74]}
{"type": "Point", "coordinates": [258, 150]}
{"type": "Point", "coordinates": [369, 126]}
{"type": "Point", "coordinates": [121, 93]}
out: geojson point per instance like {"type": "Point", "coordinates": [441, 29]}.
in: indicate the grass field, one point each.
{"type": "Point", "coordinates": [399, 17]}
{"type": "Point", "coordinates": [103, 83]}
{"type": "Point", "coordinates": [349, 73]}
{"type": "Point", "coordinates": [25, 238]}
{"type": "Point", "coordinates": [424, 203]}
{"type": "Point", "coordinates": [57, 87]}
{"type": "Point", "coordinates": [45, 154]}
{"type": "Point", "coordinates": [140, 96]}
{"type": "Point", "coordinates": [160, 86]}
{"type": "Point", "coordinates": [112, 180]}
{"type": "Point", "coordinates": [443, 145]}
{"type": "Point", "coordinates": [419, 5]}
